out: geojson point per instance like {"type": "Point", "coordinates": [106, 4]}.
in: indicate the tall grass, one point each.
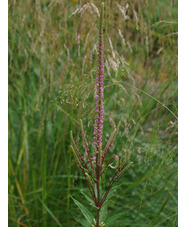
{"type": "Point", "coordinates": [52, 72]}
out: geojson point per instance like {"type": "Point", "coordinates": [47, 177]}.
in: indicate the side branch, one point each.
{"type": "Point", "coordinates": [90, 186]}
{"type": "Point", "coordinates": [110, 142]}
{"type": "Point", "coordinates": [79, 154]}
{"type": "Point", "coordinates": [86, 147]}
{"type": "Point", "coordinates": [108, 164]}
{"type": "Point", "coordinates": [118, 173]}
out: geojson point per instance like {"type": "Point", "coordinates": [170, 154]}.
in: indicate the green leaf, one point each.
{"type": "Point", "coordinates": [88, 198]}
{"type": "Point", "coordinates": [112, 191]}
{"type": "Point", "coordinates": [83, 222]}
{"type": "Point", "coordinates": [84, 211]}
{"type": "Point", "coordinates": [113, 219]}
{"type": "Point", "coordinates": [103, 213]}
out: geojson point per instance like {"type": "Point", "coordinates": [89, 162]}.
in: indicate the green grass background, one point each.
{"type": "Point", "coordinates": [52, 71]}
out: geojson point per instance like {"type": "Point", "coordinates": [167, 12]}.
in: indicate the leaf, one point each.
{"type": "Point", "coordinates": [83, 222]}
{"type": "Point", "coordinates": [113, 218]}
{"type": "Point", "coordinates": [103, 213]}
{"type": "Point", "coordinates": [112, 191]}
{"type": "Point", "coordinates": [86, 193]}
{"type": "Point", "coordinates": [88, 198]}
{"type": "Point", "coordinates": [84, 211]}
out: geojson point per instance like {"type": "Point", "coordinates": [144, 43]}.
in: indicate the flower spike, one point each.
{"type": "Point", "coordinates": [98, 124]}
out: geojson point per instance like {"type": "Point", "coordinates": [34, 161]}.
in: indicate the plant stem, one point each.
{"type": "Point", "coordinates": [97, 221]}
{"type": "Point", "coordinates": [98, 195]}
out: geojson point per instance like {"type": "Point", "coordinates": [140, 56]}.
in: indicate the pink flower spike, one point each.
{"type": "Point", "coordinates": [99, 109]}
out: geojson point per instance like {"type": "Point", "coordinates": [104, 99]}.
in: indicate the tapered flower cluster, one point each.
{"type": "Point", "coordinates": [98, 125]}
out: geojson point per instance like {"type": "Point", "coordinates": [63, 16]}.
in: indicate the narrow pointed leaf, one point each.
{"type": "Point", "coordinates": [112, 191]}
{"type": "Point", "coordinates": [103, 213]}
{"type": "Point", "coordinates": [84, 211]}
{"type": "Point", "coordinates": [88, 198]}
{"type": "Point", "coordinates": [113, 219]}
{"type": "Point", "coordinates": [83, 222]}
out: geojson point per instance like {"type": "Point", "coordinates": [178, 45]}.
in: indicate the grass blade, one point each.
{"type": "Point", "coordinates": [50, 212]}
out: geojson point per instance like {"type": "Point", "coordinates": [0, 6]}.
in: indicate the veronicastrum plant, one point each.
{"type": "Point", "coordinates": [95, 169]}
